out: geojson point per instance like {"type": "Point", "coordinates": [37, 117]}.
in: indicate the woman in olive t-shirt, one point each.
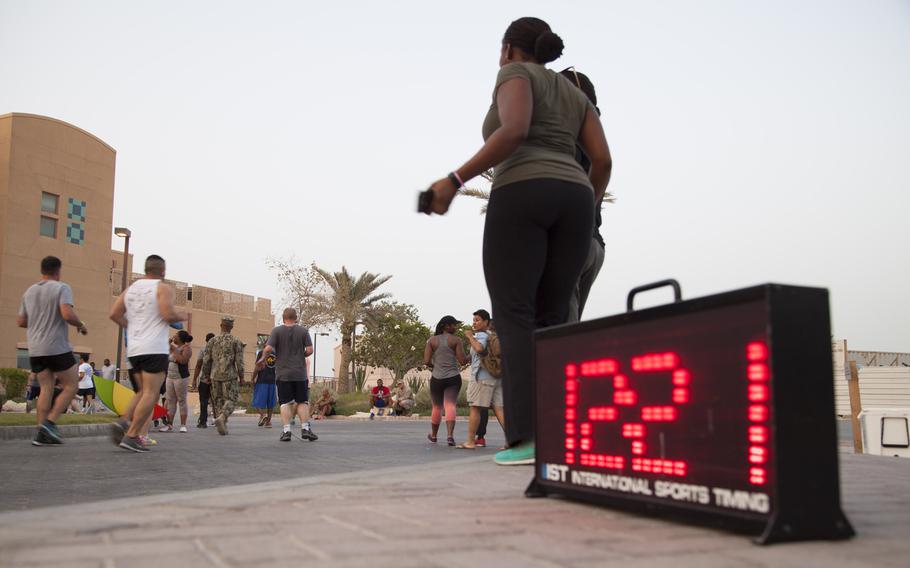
{"type": "Point", "coordinates": [541, 211]}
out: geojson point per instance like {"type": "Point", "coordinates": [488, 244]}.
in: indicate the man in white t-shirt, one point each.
{"type": "Point", "coordinates": [86, 385]}
{"type": "Point", "coordinates": [146, 309]}
{"type": "Point", "coordinates": [108, 371]}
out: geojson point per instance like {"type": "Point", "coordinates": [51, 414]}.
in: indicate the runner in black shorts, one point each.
{"type": "Point", "coordinates": [46, 309]}
{"type": "Point", "coordinates": [291, 345]}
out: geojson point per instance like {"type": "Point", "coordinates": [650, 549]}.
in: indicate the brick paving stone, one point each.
{"type": "Point", "coordinates": [438, 514]}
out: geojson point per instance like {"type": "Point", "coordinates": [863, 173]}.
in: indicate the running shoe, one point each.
{"type": "Point", "coordinates": [221, 426]}
{"type": "Point", "coordinates": [146, 441]}
{"type": "Point", "coordinates": [307, 434]}
{"type": "Point", "coordinates": [52, 433]}
{"type": "Point", "coordinates": [183, 430]}
{"type": "Point", "coordinates": [118, 430]}
{"type": "Point", "coordinates": [372, 416]}
{"type": "Point", "coordinates": [285, 437]}
{"type": "Point", "coordinates": [166, 428]}
{"type": "Point", "coordinates": [261, 421]}
{"type": "Point", "coordinates": [201, 425]}
{"type": "Point", "coordinates": [40, 438]}
{"type": "Point", "coordinates": [480, 442]}
{"type": "Point", "coordinates": [132, 444]}
{"type": "Point", "coordinates": [522, 454]}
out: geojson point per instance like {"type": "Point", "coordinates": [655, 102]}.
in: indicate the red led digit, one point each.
{"type": "Point", "coordinates": [570, 443]}
{"type": "Point", "coordinates": [598, 368]}
{"type": "Point", "coordinates": [758, 393]}
{"type": "Point", "coordinates": [585, 428]}
{"type": "Point", "coordinates": [681, 378]}
{"type": "Point", "coordinates": [603, 461]}
{"type": "Point", "coordinates": [571, 399]}
{"type": "Point", "coordinates": [570, 458]}
{"type": "Point", "coordinates": [655, 362]}
{"type": "Point", "coordinates": [632, 430]}
{"type": "Point", "coordinates": [620, 382]}
{"type": "Point", "coordinates": [586, 444]}
{"type": "Point", "coordinates": [570, 428]}
{"type": "Point", "coordinates": [680, 396]}
{"type": "Point", "coordinates": [625, 397]}
{"type": "Point", "coordinates": [638, 447]}
{"type": "Point", "coordinates": [758, 372]}
{"type": "Point", "coordinates": [756, 351]}
{"type": "Point", "coordinates": [602, 413]}
{"type": "Point", "coordinates": [658, 413]}
{"type": "Point", "coordinates": [571, 371]}
{"type": "Point", "coordinates": [570, 414]}
{"type": "Point", "coordinates": [571, 385]}
{"type": "Point", "coordinates": [758, 413]}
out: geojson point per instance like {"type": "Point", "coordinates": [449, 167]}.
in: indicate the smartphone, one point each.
{"type": "Point", "coordinates": [424, 201]}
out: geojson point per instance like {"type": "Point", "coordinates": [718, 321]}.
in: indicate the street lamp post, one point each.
{"type": "Point", "coordinates": [315, 339]}
{"type": "Point", "coordinates": [125, 234]}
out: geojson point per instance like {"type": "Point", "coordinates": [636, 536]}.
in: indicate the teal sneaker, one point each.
{"type": "Point", "coordinates": [522, 454]}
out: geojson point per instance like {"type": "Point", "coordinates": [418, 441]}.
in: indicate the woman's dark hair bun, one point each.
{"type": "Point", "coordinates": [548, 47]}
{"type": "Point", "coordinates": [185, 336]}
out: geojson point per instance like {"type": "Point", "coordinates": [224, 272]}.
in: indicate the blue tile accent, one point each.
{"type": "Point", "coordinates": [75, 233]}
{"type": "Point", "coordinates": [76, 210]}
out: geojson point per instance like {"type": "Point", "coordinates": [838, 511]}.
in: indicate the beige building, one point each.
{"type": "Point", "coordinates": [57, 198]}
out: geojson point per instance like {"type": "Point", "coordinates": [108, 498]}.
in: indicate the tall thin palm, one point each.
{"type": "Point", "coordinates": [351, 300]}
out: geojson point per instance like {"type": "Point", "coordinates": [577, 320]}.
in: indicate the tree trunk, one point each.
{"type": "Point", "coordinates": [344, 376]}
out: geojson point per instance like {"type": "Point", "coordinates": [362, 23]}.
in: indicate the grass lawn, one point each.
{"type": "Point", "coordinates": [23, 419]}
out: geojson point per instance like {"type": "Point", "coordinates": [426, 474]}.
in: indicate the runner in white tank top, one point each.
{"type": "Point", "coordinates": [146, 308]}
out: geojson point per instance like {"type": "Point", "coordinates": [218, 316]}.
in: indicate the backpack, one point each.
{"type": "Point", "coordinates": [491, 360]}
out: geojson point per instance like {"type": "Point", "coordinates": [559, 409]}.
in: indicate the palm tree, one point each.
{"type": "Point", "coordinates": [350, 301]}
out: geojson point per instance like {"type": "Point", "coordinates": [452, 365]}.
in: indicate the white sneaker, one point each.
{"type": "Point", "coordinates": [165, 428]}
{"type": "Point", "coordinates": [183, 429]}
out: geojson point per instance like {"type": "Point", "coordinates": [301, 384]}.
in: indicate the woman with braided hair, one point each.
{"type": "Point", "coordinates": [540, 216]}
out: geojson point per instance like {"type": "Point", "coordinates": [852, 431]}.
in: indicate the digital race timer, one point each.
{"type": "Point", "coordinates": [720, 408]}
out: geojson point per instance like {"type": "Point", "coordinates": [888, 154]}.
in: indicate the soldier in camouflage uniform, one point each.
{"type": "Point", "coordinates": [223, 362]}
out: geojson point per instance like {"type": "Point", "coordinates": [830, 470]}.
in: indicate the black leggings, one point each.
{"type": "Point", "coordinates": [444, 392]}
{"type": "Point", "coordinates": [535, 241]}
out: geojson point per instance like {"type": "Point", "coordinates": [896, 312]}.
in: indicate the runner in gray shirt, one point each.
{"type": "Point", "coordinates": [45, 310]}
{"type": "Point", "coordinates": [291, 345]}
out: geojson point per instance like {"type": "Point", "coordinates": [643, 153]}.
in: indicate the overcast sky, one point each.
{"type": "Point", "coordinates": [752, 141]}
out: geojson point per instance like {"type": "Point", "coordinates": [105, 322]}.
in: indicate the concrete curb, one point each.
{"type": "Point", "coordinates": [68, 431]}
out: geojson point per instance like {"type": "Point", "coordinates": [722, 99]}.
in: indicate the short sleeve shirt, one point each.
{"type": "Point", "coordinates": [290, 343]}
{"type": "Point", "coordinates": [558, 113]}
{"type": "Point", "coordinates": [384, 391]}
{"type": "Point", "coordinates": [86, 382]}
{"type": "Point", "coordinates": [47, 330]}
{"type": "Point", "coordinates": [477, 370]}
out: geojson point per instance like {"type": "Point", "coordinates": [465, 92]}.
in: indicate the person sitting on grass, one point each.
{"type": "Point", "coordinates": [379, 399]}
{"type": "Point", "coordinates": [402, 400]}
{"type": "Point", "coordinates": [325, 404]}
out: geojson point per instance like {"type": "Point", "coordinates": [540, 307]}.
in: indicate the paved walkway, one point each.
{"type": "Point", "coordinates": [96, 470]}
{"type": "Point", "coordinates": [464, 512]}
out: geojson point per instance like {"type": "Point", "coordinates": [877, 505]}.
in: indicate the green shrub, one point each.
{"type": "Point", "coordinates": [13, 382]}
{"type": "Point", "coordinates": [352, 402]}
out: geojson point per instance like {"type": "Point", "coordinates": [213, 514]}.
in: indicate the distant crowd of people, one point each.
{"type": "Point", "coordinates": [541, 252]}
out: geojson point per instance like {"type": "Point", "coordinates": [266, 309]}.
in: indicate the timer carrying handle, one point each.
{"type": "Point", "coordinates": [677, 291]}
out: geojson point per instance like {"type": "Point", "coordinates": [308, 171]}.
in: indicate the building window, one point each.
{"type": "Point", "coordinates": [49, 202]}
{"type": "Point", "coordinates": [22, 360]}
{"type": "Point", "coordinates": [48, 227]}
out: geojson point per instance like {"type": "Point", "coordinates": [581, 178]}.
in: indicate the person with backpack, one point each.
{"type": "Point", "coordinates": [485, 388]}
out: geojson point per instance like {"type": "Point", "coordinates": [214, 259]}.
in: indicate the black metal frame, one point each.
{"type": "Point", "coordinates": [807, 503]}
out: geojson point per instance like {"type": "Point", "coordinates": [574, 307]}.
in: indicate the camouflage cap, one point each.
{"type": "Point", "coordinates": [227, 319]}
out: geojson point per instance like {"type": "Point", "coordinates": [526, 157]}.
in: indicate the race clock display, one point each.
{"type": "Point", "coordinates": [716, 409]}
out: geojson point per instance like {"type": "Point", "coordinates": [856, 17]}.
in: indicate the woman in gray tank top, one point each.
{"type": "Point", "coordinates": [445, 355]}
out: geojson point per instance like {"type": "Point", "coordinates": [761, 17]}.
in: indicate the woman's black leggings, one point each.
{"type": "Point", "coordinates": [535, 242]}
